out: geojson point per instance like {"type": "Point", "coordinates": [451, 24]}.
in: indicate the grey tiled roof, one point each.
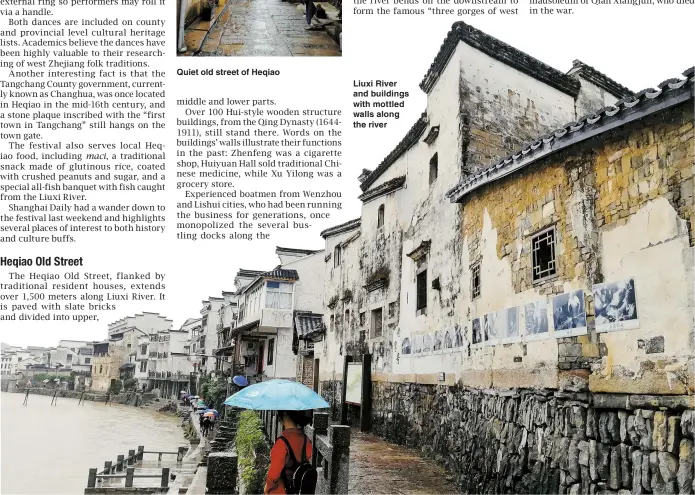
{"type": "Point", "coordinates": [381, 189]}
{"type": "Point", "coordinates": [343, 227]}
{"type": "Point", "coordinates": [308, 323]}
{"type": "Point", "coordinates": [281, 273]}
{"type": "Point", "coordinates": [507, 54]}
{"type": "Point", "coordinates": [599, 79]}
{"type": "Point", "coordinates": [669, 93]}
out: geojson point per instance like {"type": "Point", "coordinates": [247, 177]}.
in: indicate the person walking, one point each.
{"type": "Point", "coordinates": [290, 455]}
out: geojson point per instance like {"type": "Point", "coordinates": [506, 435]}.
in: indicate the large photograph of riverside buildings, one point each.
{"type": "Point", "coordinates": [513, 219]}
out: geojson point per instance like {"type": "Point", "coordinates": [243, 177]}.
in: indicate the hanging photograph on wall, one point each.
{"type": "Point", "coordinates": [615, 306]}
{"type": "Point", "coordinates": [427, 343]}
{"type": "Point", "coordinates": [476, 332]}
{"type": "Point", "coordinates": [569, 315]}
{"type": "Point", "coordinates": [493, 326]}
{"type": "Point", "coordinates": [511, 325]}
{"type": "Point", "coordinates": [405, 347]}
{"type": "Point", "coordinates": [536, 316]}
{"type": "Point", "coordinates": [448, 340]}
{"type": "Point", "coordinates": [458, 335]}
{"type": "Point", "coordinates": [436, 342]}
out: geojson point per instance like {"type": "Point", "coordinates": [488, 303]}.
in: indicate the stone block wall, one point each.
{"type": "Point", "coordinates": [542, 441]}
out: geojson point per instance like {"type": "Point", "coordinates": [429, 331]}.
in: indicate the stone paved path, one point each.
{"type": "Point", "coordinates": [265, 28]}
{"type": "Point", "coordinates": [378, 467]}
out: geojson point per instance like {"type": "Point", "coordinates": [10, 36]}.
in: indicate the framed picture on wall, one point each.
{"type": "Point", "coordinates": [511, 331]}
{"type": "Point", "coordinates": [569, 314]}
{"type": "Point", "coordinates": [536, 320]}
{"type": "Point", "coordinates": [476, 332]}
{"type": "Point", "coordinates": [615, 306]}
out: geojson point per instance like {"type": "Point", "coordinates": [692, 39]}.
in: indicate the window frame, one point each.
{"type": "Point", "coordinates": [434, 165]}
{"type": "Point", "coordinates": [476, 290]}
{"type": "Point", "coordinates": [270, 358]}
{"type": "Point", "coordinates": [421, 305]}
{"type": "Point", "coordinates": [373, 320]}
{"type": "Point", "coordinates": [553, 249]}
{"type": "Point", "coordinates": [279, 290]}
{"type": "Point", "coordinates": [337, 255]}
{"type": "Point", "coordinates": [380, 216]}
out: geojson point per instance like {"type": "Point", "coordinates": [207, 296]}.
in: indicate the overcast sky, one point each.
{"type": "Point", "coordinates": [637, 46]}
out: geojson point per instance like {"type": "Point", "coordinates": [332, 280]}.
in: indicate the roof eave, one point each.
{"type": "Point", "coordinates": [674, 98]}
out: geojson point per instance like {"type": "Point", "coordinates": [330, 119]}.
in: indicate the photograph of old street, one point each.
{"type": "Point", "coordinates": [238, 28]}
{"type": "Point", "coordinates": [509, 311]}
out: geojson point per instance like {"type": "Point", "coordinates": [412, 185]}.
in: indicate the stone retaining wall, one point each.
{"type": "Point", "coordinates": [541, 441]}
{"type": "Point", "coordinates": [124, 398]}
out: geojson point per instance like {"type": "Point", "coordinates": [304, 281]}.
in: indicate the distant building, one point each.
{"type": "Point", "coordinates": [267, 302]}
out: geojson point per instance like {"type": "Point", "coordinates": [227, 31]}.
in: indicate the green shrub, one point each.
{"type": "Point", "coordinates": [252, 452]}
{"type": "Point", "coordinates": [116, 387]}
{"type": "Point", "coordinates": [130, 384]}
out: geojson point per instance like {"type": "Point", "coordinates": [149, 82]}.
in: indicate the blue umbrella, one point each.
{"type": "Point", "coordinates": [277, 395]}
{"type": "Point", "coordinates": [212, 411]}
{"type": "Point", "coordinates": [240, 381]}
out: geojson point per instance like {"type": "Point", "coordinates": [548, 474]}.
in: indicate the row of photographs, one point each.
{"type": "Point", "coordinates": [615, 308]}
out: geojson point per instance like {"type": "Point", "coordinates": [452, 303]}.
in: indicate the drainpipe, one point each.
{"type": "Point", "coordinates": [182, 20]}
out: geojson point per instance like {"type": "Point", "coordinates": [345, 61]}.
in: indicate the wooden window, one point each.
{"type": "Point", "coordinates": [278, 295]}
{"type": "Point", "coordinates": [377, 322]}
{"type": "Point", "coordinates": [380, 217]}
{"type": "Point", "coordinates": [543, 246]}
{"type": "Point", "coordinates": [421, 291]}
{"type": "Point", "coordinates": [475, 280]}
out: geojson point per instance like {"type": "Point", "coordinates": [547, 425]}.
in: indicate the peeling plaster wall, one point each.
{"type": "Point", "coordinates": [308, 290]}
{"type": "Point", "coordinates": [503, 108]}
{"type": "Point", "coordinates": [337, 280]}
{"type": "Point", "coordinates": [284, 361]}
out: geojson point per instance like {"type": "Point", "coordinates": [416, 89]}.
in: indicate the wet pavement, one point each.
{"type": "Point", "coordinates": [265, 28]}
{"type": "Point", "coordinates": [378, 467]}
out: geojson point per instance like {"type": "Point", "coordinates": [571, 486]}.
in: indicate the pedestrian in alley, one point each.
{"type": "Point", "coordinates": [290, 469]}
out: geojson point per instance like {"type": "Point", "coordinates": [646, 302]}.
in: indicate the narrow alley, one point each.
{"type": "Point", "coordinates": [265, 28]}
{"type": "Point", "coordinates": [379, 467]}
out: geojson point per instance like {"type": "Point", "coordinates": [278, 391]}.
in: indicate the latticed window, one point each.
{"type": "Point", "coordinates": [475, 280]}
{"type": "Point", "coordinates": [543, 246]}
{"type": "Point", "coordinates": [278, 295]}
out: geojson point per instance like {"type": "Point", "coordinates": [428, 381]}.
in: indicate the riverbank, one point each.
{"type": "Point", "coordinates": [64, 441]}
{"type": "Point", "coordinates": [142, 400]}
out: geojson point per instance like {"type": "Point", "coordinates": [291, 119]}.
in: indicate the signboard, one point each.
{"type": "Point", "coordinates": [353, 384]}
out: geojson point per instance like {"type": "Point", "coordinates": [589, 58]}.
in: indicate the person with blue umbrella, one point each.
{"type": "Point", "coordinates": [290, 468]}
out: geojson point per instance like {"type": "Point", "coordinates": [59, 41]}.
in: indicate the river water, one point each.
{"type": "Point", "coordinates": [49, 449]}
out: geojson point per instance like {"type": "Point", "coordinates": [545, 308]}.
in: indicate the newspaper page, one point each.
{"type": "Point", "coordinates": [452, 250]}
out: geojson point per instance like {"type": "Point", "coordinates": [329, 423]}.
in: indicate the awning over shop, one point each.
{"type": "Point", "coordinates": [126, 366]}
